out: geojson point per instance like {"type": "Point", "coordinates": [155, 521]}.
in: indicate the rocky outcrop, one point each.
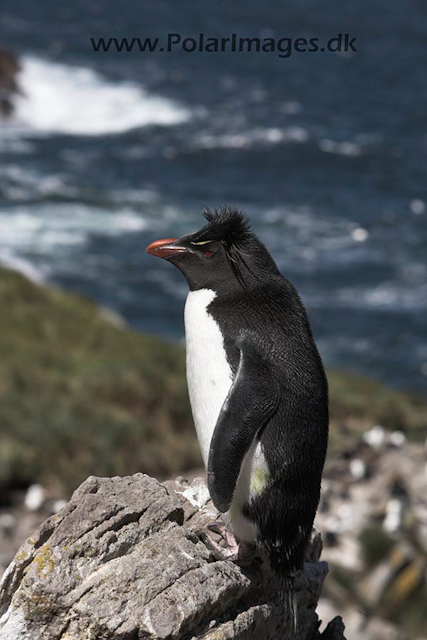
{"type": "Point", "coordinates": [122, 561]}
{"type": "Point", "coordinates": [9, 68]}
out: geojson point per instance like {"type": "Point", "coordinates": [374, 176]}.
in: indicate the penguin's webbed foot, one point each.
{"type": "Point", "coordinates": [242, 553]}
{"type": "Point", "coordinates": [218, 552]}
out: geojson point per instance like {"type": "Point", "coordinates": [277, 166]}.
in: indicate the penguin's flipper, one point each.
{"type": "Point", "coordinates": [251, 401]}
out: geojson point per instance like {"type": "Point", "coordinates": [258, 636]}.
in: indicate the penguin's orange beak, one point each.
{"type": "Point", "coordinates": [165, 248]}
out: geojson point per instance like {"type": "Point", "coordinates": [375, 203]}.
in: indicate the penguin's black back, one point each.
{"type": "Point", "coordinates": [294, 440]}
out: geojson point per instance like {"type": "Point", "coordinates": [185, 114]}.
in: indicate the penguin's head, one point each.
{"type": "Point", "coordinates": [224, 254]}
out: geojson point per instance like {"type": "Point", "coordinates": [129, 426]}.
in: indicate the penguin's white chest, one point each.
{"type": "Point", "coordinates": [209, 375]}
{"type": "Point", "coordinates": [209, 379]}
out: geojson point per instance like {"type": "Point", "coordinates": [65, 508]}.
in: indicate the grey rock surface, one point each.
{"type": "Point", "coordinates": [122, 562]}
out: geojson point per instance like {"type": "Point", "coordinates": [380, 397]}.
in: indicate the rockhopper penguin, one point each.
{"type": "Point", "coordinates": [257, 388]}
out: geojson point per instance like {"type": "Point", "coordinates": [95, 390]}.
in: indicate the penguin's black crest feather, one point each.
{"type": "Point", "coordinates": [232, 228]}
{"type": "Point", "coordinates": [228, 225]}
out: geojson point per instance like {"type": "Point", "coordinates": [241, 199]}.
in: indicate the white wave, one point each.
{"type": "Point", "coordinates": [27, 268]}
{"type": "Point", "coordinates": [246, 139]}
{"type": "Point", "coordinates": [346, 148]}
{"type": "Point", "coordinates": [26, 184]}
{"type": "Point", "coordinates": [306, 228]}
{"type": "Point", "coordinates": [39, 240]}
{"type": "Point", "coordinates": [43, 228]}
{"type": "Point", "coordinates": [385, 296]}
{"type": "Point", "coordinates": [58, 98]}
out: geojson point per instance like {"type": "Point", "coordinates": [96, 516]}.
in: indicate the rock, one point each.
{"type": "Point", "coordinates": [7, 524]}
{"type": "Point", "coordinates": [357, 468]}
{"type": "Point", "coordinates": [9, 68]}
{"type": "Point", "coordinates": [375, 534]}
{"type": "Point", "coordinates": [58, 505]}
{"type": "Point", "coordinates": [375, 437]}
{"type": "Point", "coordinates": [121, 561]}
{"type": "Point", "coordinates": [393, 516]}
{"type": "Point", "coordinates": [397, 439]}
{"type": "Point", "coordinates": [16, 524]}
{"type": "Point", "coordinates": [334, 630]}
{"type": "Point", "coordinates": [35, 497]}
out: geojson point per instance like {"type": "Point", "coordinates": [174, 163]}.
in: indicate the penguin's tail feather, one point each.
{"type": "Point", "coordinates": [286, 563]}
{"type": "Point", "coordinates": [288, 601]}
{"type": "Point", "coordinates": [286, 578]}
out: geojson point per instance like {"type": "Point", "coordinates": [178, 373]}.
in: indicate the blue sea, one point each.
{"type": "Point", "coordinates": [326, 152]}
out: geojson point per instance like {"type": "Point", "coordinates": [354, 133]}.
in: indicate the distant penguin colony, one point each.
{"type": "Point", "coordinates": [257, 389]}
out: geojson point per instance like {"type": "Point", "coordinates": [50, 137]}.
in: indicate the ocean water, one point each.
{"type": "Point", "coordinates": [325, 152]}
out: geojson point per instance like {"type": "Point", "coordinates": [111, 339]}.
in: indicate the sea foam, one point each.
{"type": "Point", "coordinates": [63, 99]}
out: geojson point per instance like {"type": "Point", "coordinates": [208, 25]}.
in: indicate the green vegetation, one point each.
{"type": "Point", "coordinates": [80, 395]}
{"type": "Point", "coordinates": [357, 403]}
{"type": "Point", "coordinates": [375, 544]}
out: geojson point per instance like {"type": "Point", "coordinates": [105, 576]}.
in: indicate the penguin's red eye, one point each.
{"type": "Point", "coordinates": [208, 253]}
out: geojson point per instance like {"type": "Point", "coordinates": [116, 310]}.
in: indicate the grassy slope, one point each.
{"type": "Point", "coordinates": [357, 403]}
{"type": "Point", "coordinates": [80, 395]}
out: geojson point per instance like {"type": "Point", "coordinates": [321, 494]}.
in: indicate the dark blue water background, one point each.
{"type": "Point", "coordinates": [325, 152]}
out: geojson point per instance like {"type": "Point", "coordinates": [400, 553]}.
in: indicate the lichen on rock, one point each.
{"type": "Point", "coordinates": [122, 561]}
